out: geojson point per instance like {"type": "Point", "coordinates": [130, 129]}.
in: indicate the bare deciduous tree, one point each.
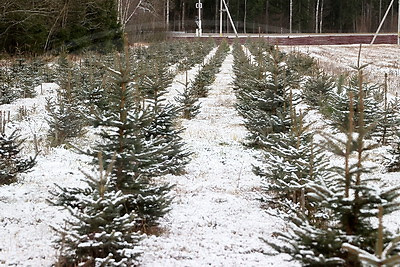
{"type": "Point", "coordinates": [127, 9]}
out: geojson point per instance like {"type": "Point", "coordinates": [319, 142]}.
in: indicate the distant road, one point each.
{"type": "Point", "coordinates": [301, 39]}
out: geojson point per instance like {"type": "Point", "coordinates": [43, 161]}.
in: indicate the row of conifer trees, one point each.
{"type": "Point", "coordinates": [139, 141]}
{"type": "Point", "coordinates": [123, 95]}
{"type": "Point", "coordinates": [329, 207]}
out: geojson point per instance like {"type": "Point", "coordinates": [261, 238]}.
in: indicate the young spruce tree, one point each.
{"type": "Point", "coordinates": [100, 232]}
{"type": "Point", "coordinates": [65, 113]}
{"type": "Point", "coordinates": [11, 163]}
{"type": "Point", "coordinates": [125, 123]}
{"type": "Point", "coordinates": [163, 125]}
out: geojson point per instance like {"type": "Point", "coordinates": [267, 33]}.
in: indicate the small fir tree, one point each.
{"type": "Point", "coordinates": [100, 232]}
{"type": "Point", "coordinates": [339, 105]}
{"type": "Point", "coordinates": [264, 104]}
{"type": "Point", "coordinates": [384, 256]}
{"type": "Point", "coordinates": [11, 163]}
{"type": "Point", "coordinates": [65, 114]}
{"type": "Point", "coordinates": [206, 75]}
{"type": "Point", "coordinates": [389, 123]}
{"type": "Point", "coordinates": [8, 93]}
{"type": "Point", "coordinates": [163, 124]}
{"type": "Point", "coordinates": [291, 162]}
{"type": "Point", "coordinates": [124, 125]}
{"type": "Point", "coordinates": [318, 89]}
{"type": "Point", "coordinates": [188, 101]}
{"type": "Point", "coordinates": [91, 81]}
{"type": "Point", "coordinates": [394, 161]}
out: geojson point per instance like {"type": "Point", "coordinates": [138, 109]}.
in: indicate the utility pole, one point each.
{"type": "Point", "coordinates": [199, 30]}
{"type": "Point", "coordinates": [383, 20]}
{"type": "Point", "coordinates": [230, 18]}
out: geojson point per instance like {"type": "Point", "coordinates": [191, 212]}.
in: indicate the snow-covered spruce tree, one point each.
{"type": "Point", "coordinates": [309, 243]}
{"type": "Point", "coordinates": [243, 69]}
{"type": "Point", "coordinates": [8, 93]}
{"type": "Point", "coordinates": [100, 232]}
{"type": "Point", "coordinates": [164, 115]}
{"type": "Point", "coordinates": [260, 49]}
{"type": "Point", "coordinates": [65, 113]}
{"type": "Point", "coordinates": [188, 101]}
{"type": "Point", "coordinates": [202, 80]}
{"type": "Point", "coordinates": [291, 161]}
{"type": "Point", "coordinates": [206, 75]}
{"type": "Point", "coordinates": [264, 106]}
{"type": "Point", "coordinates": [383, 256]}
{"type": "Point", "coordinates": [339, 105]}
{"type": "Point", "coordinates": [389, 123]}
{"type": "Point", "coordinates": [317, 90]}
{"type": "Point", "coordinates": [394, 161]}
{"type": "Point", "coordinates": [91, 81]}
{"type": "Point", "coordinates": [347, 202]}
{"type": "Point", "coordinates": [194, 53]}
{"type": "Point", "coordinates": [301, 64]}
{"type": "Point", "coordinates": [124, 123]}
{"type": "Point", "coordinates": [11, 163]}
{"type": "Point", "coordinates": [353, 199]}
{"type": "Point", "coordinates": [22, 79]}
{"type": "Point", "coordinates": [33, 73]}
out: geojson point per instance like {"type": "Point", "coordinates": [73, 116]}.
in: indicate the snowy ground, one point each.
{"type": "Point", "coordinates": [25, 215]}
{"type": "Point", "coordinates": [381, 59]}
{"type": "Point", "coordinates": [215, 218]}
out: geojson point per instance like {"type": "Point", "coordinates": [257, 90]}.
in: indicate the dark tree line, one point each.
{"type": "Point", "coordinates": [39, 25]}
{"type": "Point", "coordinates": [273, 15]}
{"type": "Point", "coordinates": [36, 26]}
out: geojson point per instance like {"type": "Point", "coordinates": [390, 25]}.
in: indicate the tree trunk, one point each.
{"type": "Point", "coordinates": [321, 17]}
{"type": "Point", "coordinates": [167, 15]}
{"type": "Point", "coordinates": [267, 16]}
{"type": "Point", "coordinates": [227, 19]}
{"type": "Point", "coordinates": [291, 16]}
{"type": "Point", "coordinates": [183, 16]}
{"type": "Point", "coordinates": [245, 16]}
{"type": "Point", "coordinates": [316, 17]}
{"type": "Point", "coordinates": [216, 15]}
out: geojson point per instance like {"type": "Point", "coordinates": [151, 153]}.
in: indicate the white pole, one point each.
{"type": "Point", "coordinates": [230, 18]}
{"type": "Point", "coordinates": [383, 20]}
{"type": "Point", "coordinates": [200, 26]}
{"type": "Point", "coordinates": [220, 19]}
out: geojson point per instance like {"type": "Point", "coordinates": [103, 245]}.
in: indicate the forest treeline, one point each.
{"type": "Point", "coordinates": [269, 16]}
{"type": "Point", "coordinates": [37, 26]}
{"type": "Point", "coordinates": [42, 25]}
